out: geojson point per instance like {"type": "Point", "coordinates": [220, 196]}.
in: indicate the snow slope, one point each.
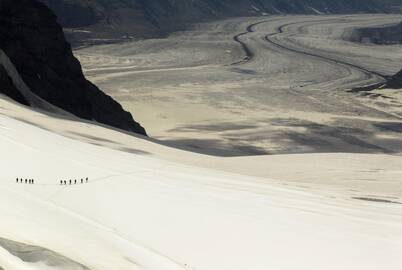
{"type": "Point", "coordinates": [143, 211]}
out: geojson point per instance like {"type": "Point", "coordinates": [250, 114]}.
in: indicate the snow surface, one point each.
{"type": "Point", "coordinates": [148, 206]}
{"type": "Point", "coordinates": [145, 212]}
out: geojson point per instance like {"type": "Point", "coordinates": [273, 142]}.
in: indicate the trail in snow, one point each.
{"type": "Point", "coordinates": [150, 257]}
{"type": "Point", "coordinates": [146, 212]}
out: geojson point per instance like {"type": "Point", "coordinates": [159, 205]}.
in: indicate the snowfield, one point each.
{"type": "Point", "coordinates": [149, 210]}
{"type": "Point", "coordinates": [147, 206]}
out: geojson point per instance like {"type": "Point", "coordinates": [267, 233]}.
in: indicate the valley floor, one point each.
{"type": "Point", "coordinates": [265, 85]}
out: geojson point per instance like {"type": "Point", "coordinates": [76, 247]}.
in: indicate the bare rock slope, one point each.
{"type": "Point", "coordinates": [33, 41]}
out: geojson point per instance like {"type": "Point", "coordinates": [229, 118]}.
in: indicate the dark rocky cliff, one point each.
{"type": "Point", "coordinates": [8, 88]}
{"type": "Point", "coordinates": [35, 44]}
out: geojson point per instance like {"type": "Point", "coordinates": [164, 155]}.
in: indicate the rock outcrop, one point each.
{"type": "Point", "coordinates": [34, 42]}
{"type": "Point", "coordinates": [395, 81]}
{"type": "Point", "coordinates": [8, 88]}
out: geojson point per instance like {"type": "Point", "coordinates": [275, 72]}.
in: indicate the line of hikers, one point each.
{"type": "Point", "coordinates": [25, 181]}
{"type": "Point", "coordinates": [73, 182]}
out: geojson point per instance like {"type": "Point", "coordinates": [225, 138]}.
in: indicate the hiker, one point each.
{"type": "Point", "coordinates": [33, 181]}
{"type": "Point", "coordinates": [70, 181]}
{"type": "Point", "coordinates": [26, 180]}
{"type": "Point", "coordinates": [17, 180]}
{"type": "Point", "coordinates": [75, 181]}
{"type": "Point", "coordinates": [65, 182]}
{"type": "Point", "coordinates": [82, 181]}
{"type": "Point", "coordinates": [61, 182]}
{"type": "Point", "coordinates": [86, 180]}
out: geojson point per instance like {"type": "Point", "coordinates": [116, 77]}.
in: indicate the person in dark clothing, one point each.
{"type": "Point", "coordinates": [70, 182]}
{"type": "Point", "coordinates": [33, 181]}
{"type": "Point", "coordinates": [65, 182]}
{"type": "Point", "coordinates": [61, 182]}
{"type": "Point", "coordinates": [26, 181]}
{"type": "Point", "coordinates": [17, 180]}
{"type": "Point", "coordinates": [86, 180]}
{"type": "Point", "coordinates": [75, 181]}
{"type": "Point", "coordinates": [82, 181]}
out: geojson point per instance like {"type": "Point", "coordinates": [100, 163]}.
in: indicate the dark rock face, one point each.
{"type": "Point", "coordinates": [7, 88]}
{"type": "Point", "coordinates": [35, 43]}
{"type": "Point", "coordinates": [395, 81]}
{"type": "Point", "coordinates": [74, 14]}
{"type": "Point", "coordinates": [103, 20]}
